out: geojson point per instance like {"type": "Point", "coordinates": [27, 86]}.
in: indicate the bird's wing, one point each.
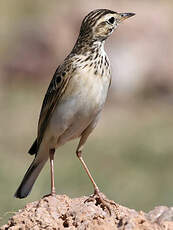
{"type": "Point", "coordinates": [55, 90]}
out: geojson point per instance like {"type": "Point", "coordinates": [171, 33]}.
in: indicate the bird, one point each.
{"type": "Point", "coordinates": [75, 98]}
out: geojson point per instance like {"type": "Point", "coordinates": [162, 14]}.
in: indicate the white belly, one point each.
{"type": "Point", "coordinates": [83, 100]}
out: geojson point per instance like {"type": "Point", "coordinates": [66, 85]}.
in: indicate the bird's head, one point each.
{"type": "Point", "coordinates": [99, 24]}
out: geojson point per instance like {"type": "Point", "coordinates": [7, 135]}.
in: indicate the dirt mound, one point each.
{"type": "Point", "coordinates": [62, 212]}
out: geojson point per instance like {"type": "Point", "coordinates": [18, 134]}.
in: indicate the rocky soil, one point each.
{"type": "Point", "coordinates": [62, 212]}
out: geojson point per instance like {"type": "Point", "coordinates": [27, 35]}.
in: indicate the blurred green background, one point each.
{"type": "Point", "coordinates": [130, 153]}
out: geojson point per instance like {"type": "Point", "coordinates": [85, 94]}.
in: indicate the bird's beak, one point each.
{"type": "Point", "coordinates": [122, 16]}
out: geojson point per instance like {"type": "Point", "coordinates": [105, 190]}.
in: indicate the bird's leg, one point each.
{"type": "Point", "coordinates": [98, 196]}
{"type": "Point", "coordinates": [79, 155]}
{"type": "Point", "coordinates": [82, 141]}
{"type": "Point", "coordinates": [97, 193]}
{"type": "Point", "coordinates": [51, 155]}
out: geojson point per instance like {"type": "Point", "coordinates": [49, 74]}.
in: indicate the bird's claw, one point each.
{"type": "Point", "coordinates": [104, 203]}
{"type": "Point", "coordinates": [48, 195]}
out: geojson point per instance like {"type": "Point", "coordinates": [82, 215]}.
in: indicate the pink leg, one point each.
{"type": "Point", "coordinates": [106, 203]}
{"type": "Point", "coordinates": [51, 155]}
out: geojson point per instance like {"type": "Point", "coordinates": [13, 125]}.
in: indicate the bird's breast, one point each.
{"type": "Point", "coordinates": [88, 90]}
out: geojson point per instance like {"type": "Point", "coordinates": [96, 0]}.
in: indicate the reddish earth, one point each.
{"type": "Point", "coordinates": [62, 212]}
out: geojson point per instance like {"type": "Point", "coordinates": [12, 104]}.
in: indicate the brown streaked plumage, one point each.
{"type": "Point", "coordinates": [75, 97]}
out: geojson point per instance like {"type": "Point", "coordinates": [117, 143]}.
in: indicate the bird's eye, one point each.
{"type": "Point", "coordinates": [111, 20]}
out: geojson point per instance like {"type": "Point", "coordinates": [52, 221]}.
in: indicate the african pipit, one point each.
{"type": "Point", "coordinates": [75, 97]}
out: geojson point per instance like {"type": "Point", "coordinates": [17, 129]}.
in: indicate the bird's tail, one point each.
{"type": "Point", "coordinates": [30, 177]}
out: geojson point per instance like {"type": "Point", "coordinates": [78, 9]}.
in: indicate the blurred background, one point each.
{"type": "Point", "coordinates": [130, 153]}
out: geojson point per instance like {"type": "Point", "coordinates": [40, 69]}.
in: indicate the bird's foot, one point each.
{"type": "Point", "coordinates": [104, 203]}
{"type": "Point", "coordinates": [50, 195]}
{"type": "Point", "coordinates": [53, 194]}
